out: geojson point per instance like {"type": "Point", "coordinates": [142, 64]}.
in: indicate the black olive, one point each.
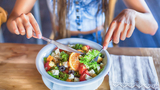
{"type": "Point", "coordinates": [62, 68]}
{"type": "Point", "coordinates": [71, 72]}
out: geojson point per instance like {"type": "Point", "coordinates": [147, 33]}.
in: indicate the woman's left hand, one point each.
{"type": "Point", "coordinates": [121, 27]}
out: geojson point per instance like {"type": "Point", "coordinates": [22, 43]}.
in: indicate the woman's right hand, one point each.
{"type": "Point", "coordinates": [24, 24]}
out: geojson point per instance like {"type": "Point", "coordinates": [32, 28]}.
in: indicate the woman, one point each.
{"type": "Point", "coordinates": [93, 18]}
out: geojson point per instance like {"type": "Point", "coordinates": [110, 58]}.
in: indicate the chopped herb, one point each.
{"type": "Point", "coordinates": [63, 76]}
{"type": "Point", "coordinates": [78, 46]}
{"type": "Point", "coordinates": [45, 59]}
{"type": "Point", "coordinates": [55, 76]}
{"type": "Point", "coordinates": [76, 74]}
{"type": "Point", "coordinates": [56, 68]}
{"type": "Point", "coordinates": [64, 56]}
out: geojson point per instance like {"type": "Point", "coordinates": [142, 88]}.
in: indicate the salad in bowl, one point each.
{"type": "Point", "coordinates": [73, 67]}
{"type": "Point", "coordinates": [61, 70]}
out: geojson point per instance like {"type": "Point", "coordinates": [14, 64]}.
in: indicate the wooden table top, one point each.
{"type": "Point", "coordinates": [18, 70]}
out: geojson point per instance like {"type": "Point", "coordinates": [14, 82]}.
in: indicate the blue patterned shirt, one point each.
{"type": "Point", "coordinates": [82, 14]}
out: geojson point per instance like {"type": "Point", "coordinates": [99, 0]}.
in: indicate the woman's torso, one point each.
{"type": "Point", "coordinates": [82, 14]}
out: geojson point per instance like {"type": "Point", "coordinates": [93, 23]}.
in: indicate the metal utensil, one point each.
{"type": "Point", "coordinates": [96, 58]}
{"type": "Point", "coordinates": [60, 45]}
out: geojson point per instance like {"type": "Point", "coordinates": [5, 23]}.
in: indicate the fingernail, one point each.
{"type": "Point", "coordinates": [39, 36]}
{"type": "Point", "coordinates": [123, 38]}
{"type": "Point", "coordinates": [104, 47]}
{"type": "Point", "coordinates": [116, 42]}
{"type": "Point", "coordinates": [17, 32]}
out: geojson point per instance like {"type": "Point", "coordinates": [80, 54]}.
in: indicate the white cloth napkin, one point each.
{"type": "Point", "coordinates": [133, 73]}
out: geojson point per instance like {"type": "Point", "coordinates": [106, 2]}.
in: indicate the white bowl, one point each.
{"type": "Point", "coordinates": [55, 84]}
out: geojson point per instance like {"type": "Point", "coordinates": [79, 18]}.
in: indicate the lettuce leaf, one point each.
{"type": "Point", "coordinates": [87, 59]}
{"type": "Point", "coordinates": [90, 55]}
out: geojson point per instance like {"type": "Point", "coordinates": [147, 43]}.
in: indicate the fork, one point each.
{"type": "Point", "coordinates": [96, 58]}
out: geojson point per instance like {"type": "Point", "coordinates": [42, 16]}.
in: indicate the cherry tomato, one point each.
{"type": "Point", "coordinates": [82, 77]}
{"type": "Point", "coordinates": [56, 48]}
{"type": "Point", "coordinates": [88, 47]}
{"type": "Point", "coordinates": [82, 68]}
{"type": "Point", "coordinates": [46, 66]}
{"type": "Point", "coordinates": [86, 72]}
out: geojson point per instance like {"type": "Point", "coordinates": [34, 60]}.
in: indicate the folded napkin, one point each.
{"type": "Point", "coordinates": [133, 73]}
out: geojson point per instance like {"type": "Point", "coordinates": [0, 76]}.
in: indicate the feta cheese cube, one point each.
{"type": "Point", "coordinates": [76, 79]}
{"type": "Point", "coordinates": [98, 68]}
{"type": "Point", "coordinates": [65, 64]}
{"type": "Point", "coordinates": [51, 64]}
{"type": "Point", "coordinates": [56, 54]}
{"type": "Point", "coordinates": [55, 72]}
{"type": "Point", "coordinates": [87, 77]}
{"type": "Point", "coordinates": [91, 72]}
{"type": "Point", "coordinates": [71, 76]}
{"type": "Point", "coordinates": [57, 51]}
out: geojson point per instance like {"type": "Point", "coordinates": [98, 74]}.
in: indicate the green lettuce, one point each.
{"type": "Point", "coordinates": [87, 59]}
{"type": "Point", "coordinates": [90, 55]}
{"type": "Point", "coordinates": [64, 56]}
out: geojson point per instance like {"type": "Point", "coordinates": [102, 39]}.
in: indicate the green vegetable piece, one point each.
{"type": "Point", "coordinates": [78, 46]}
{"type": "Point", "coordinates": [97, 72]}
{"type": "Point", "coordinates": [76, 74]}
{"type": "Point", "coordinates": [45, 59]}
{"type": "Point", "coordinates": [90, 55]}
{"type": "Point", "coordinates": [64, 56]}
{"type": "Point", "coordinates": [55, 76]}
{"type": "Point", "coordinates": [87, 59]}
{"type": "Point", "coordinates": [63, 76]}
{"type": "Point", "coordinates": [56, 68]}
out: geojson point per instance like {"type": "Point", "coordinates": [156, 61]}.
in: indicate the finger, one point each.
{"type": "Point", "coordinates": [27, 25]}
{"type": "Point", "coordinates": [131, 29]}
{"type": "Point", "coordinates": [35, 25]}
{"type": "Point", "coordinates": [15, 28]}
{"type": "Point", "coordinates": [33, 35]}
{"type": "Point", "coordinates": [117, 32]}
{"type": "Point", "coordinates": [20, 26]}
{"type": "Point", "coordinates": [108, 35]}
{"type": "Point", "coordinates": [124, 32]}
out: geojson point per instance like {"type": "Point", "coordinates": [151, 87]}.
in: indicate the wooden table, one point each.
{"type": "Point", "coordinates": [18, 70]}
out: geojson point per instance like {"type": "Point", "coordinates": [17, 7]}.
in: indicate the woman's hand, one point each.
{"type": "Point", "coordinates": [121, 27]}
{"type": "Point", "coordinates": [24, 24]}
